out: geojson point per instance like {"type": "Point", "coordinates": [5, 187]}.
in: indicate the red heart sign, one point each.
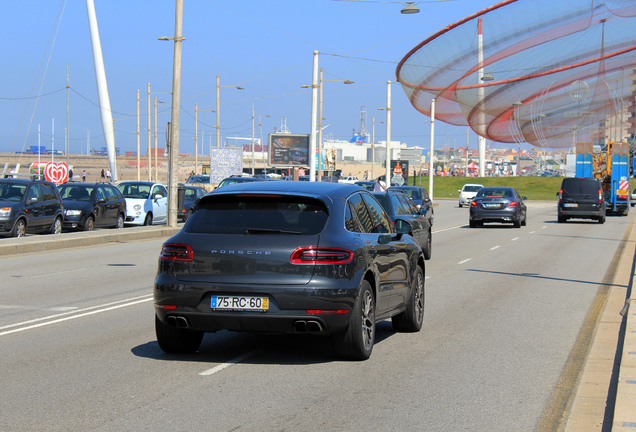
{"type": "Point", "coordinates": [56, 172]}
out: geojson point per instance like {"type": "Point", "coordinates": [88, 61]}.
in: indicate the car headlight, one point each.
{"type": "Point", "coordinates": [137, 207]}
{"type": "Point", "coordinates": [5, 211]}
{"type": "Point", "coordinates": [72, 212]}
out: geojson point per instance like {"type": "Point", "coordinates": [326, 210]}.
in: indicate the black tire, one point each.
{"type": "Point", "coordinates": [90, 224]}
{"type": "Point", "coordinates": [472, 224]}
{"type": "Point", "coordinates": [412, 318]}
{"type": "Point", "coordinates": [148, 219]}
{"type": "Point", "coordinates": [120, 221]}
{"type": "Point", "coordinates": [56, 228]}
{"type": "Point", "coordinates": [19, 229]}
{"type": "Point", "coordinates": [561, 219]}
{"type": "Point", "coordinates": [524, 221]}
{"type": "Point", "coordinates": [517, 222]}
{"type": "Point", "coordinates": [428, 247]}
{"type": "Point", "coordinates": [601, 220]}
{"type": "Point", "coordinates": [460, 205]}
{"type": "Point", "coordinates": [177, 340]}
{"type": "Point", "coordinates": [356, 343]}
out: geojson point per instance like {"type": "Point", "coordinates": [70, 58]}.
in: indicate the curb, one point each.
{"type": "Point", "coordinates": [43, 242]}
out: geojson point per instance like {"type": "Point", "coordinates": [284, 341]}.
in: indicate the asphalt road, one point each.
{"type": "Point", "coordinates": [504, 307]}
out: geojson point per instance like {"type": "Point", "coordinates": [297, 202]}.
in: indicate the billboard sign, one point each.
{"type": "Point", "coordinates": [224, 162]}
{"type": "Point", "coordinates": [288, 150]}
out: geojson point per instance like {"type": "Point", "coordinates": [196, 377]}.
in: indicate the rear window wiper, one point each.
{"type": "Point", "coordinates": [248, 231]}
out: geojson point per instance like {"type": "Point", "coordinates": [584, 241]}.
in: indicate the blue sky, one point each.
{"type": "Point", "coordinates": [264, 46]}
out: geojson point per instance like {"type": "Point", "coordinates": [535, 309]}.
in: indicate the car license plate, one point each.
{"type": "Point", "coordinates": [570, 205]}
{"type": "Point", "coordinates": [240, 303]}
{"type": "Point", "coordinates": [492, 206]}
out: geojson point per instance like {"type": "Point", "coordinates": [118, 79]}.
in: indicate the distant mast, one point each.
{"type": "Point", "coordinates": [102, 89]}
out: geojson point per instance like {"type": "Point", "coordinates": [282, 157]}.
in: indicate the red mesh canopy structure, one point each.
{"type": "Point", "coordinates": [550, 73]}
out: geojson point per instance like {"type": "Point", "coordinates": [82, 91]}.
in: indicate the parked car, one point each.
{"type": "Point", "coordinates": [497, 204]}
{"type": "Point", "coordinates": [289, 257]}
{"type": "Point", "coordinates": [368, 185]}
{"type": "Point", "coordinates": [92, 205]}
{"type": "Point", "coordinates": [239, 179]}
{"type": "Point", "coordinates": [192, 195]}
{"type": "Point", "coordinates": [399, 205]}
{"type": "Point", "coordinates": [420, 198]}
{"type": "Point", "coordinates": [146, 202]}
{"type": "Point", "coordinates": [581, 198]}
{"type": "Point", "coordinates": [467, 193]}
{"type": "Point", "coordinates": [348, 179]}
{"type": "Point", "coordinates": [198, 178]}
{"type": "Point", "coordinates": [29, 206]}
{"type": "Point", "coordinates": [632, 201]}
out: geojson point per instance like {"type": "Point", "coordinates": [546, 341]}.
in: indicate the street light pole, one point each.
{"type": "Point", "coordinates": [314, 109]}
{"type": "Point", "coordinates": [218, 113]}
{"type": "Point", "coordinates": [431, 168]}
{"type": "Point", "coordinates": [387, 179]}
{"type": "Point", "coordinates": [174, 116]}
{"type": "Point", "coordinates": [149, 139]}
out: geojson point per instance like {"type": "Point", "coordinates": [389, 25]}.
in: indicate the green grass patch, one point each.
{"type": "Point", "coordinates": [534, 188]}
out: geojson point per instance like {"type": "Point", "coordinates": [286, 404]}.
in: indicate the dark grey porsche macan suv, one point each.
{"type": "Point", "coordinates": [289, 257]}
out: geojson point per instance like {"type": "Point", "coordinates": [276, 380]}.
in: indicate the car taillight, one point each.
{"type": "Point", "coordinates": [473, 203]}
{"type": "Point", "coordinates": [513, 204]}
{"type": "Point", "coordinates": [600, 196]}
{"type": "Point", "coordinates": [320, 255]}
{"type": "Point", "coordinates": [560, 194]}
{"type": "Point", "coordinates": [176, 252]}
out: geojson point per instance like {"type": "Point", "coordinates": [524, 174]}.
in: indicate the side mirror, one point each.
{"type": "Point", "coordinates": [402, 226]}
{"type": "Point", "coordinates": [524, 198]}
{"type": "Point", "coordinates": [33, 200]}
{"type": "Point", "coordinates": [459, 190]}
{"type": "Point", "coordinates": [158, 196]}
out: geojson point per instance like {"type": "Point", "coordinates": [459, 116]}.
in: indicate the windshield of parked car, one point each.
{"type": "Point", "coordinates": [198, 179]}
{"type": "Point", "coordinates": [471, 188]}
{"type": "Point", "coordinates": [76, 192]}
{"type": "Point", "coordinates": [134, 190]}
{"type": "Point", "coordinates": [414, 194]}
{"type": "Point", "coordinates": [233, 180]}
{"type": "Point", "coordinates": [258, 214]}
{"type": "Point", "coordinates": [12, 192]}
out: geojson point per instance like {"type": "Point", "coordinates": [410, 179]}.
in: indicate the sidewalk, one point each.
{"type": "Point", "coordinates": [609, 374]}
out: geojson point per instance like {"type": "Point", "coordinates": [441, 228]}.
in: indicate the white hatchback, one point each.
{"type": "Point", "coordinates": [467, 193]}
{"type": "Point", "coordinates": [146, 202]}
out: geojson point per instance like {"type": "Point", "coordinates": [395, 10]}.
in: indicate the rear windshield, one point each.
{"type": "Point", "coordinates": [580, 186]}
{"type": "Point", "coordinates": [257, 214]}
{"type": "Point", "coordinates": [494, 192]}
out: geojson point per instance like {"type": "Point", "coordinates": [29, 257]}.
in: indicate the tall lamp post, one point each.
{"type": "Point", "coordinates": [196, 136]}
{"type": "Point", "coordinates": [387, 179]}
{"type": "Point", "coordinates": [174, 116]}
{"type": "Point", "coordinates": [320, 86]}
{"type": "Point", "coordinates": [218, 109]}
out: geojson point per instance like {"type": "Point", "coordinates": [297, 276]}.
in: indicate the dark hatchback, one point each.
{"type": "Point", "coordinates": [400, 206]}
{"type": "Point", "coordinates": [581, 198]}
{"type": "Point", "coordinates": [192, 195]}
{"type": "Point", "coordinates": [92, 205]}
{"type": "Point", "coordinates": [289, 257]}
{"type": "Point", "coordinates": [29, 206]}
{"type": "Point", "coordinates": [420, 198]}
{"type": "Point", "coordinates": [497, 204]}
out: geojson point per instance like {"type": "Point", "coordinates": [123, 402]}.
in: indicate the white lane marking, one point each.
{"type": "Point", "coordinates": [79, 314]}
{"type": "Point", "coordinates": [532, 232]}
{"type": "Point", "coordinates": [448, 229]}
{"type": "Point", "coordinates": [514, 239]}
{"type": "Point", "coordinates": [494, 247]}
{"type": "Point", "coordinates": [54, 309]}
{"type": "Point", "coordinates": [464, 261]}
{"type": "Point", "coordinates": [222, 366]}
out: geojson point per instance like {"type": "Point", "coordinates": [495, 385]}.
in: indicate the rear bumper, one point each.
{"type": "Point", "coordinates": [287, 312]}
